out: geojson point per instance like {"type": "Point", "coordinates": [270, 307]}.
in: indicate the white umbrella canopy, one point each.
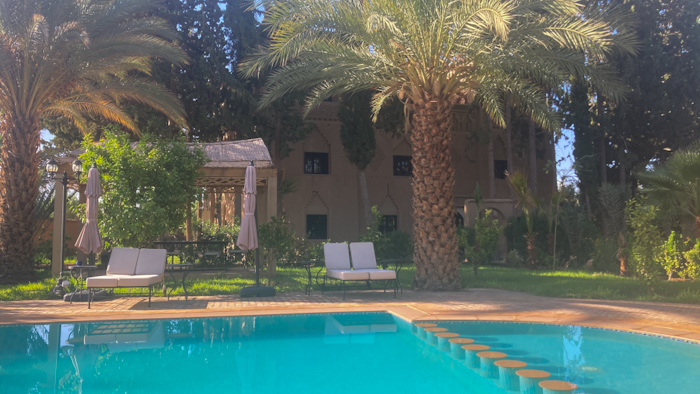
{"type": "Point", "coordinates": [89, 240]}
{"type": "Point", "coordinates": [248, 236]}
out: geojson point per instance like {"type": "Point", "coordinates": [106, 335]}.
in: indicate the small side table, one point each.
{"type": "Point", "coordinates": [80, 273]}
{"type": "Point", "coordinates": [307, 266]}
{"type": "Point", "coordinates": [398, 265]}
{"type": "Point", "coordinates": [184, 269]}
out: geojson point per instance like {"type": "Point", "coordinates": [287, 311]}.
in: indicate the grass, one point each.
{"type": "Point", "coordinates": [566, 284]}
{"type": "Point", "coordinates": [581, 284]}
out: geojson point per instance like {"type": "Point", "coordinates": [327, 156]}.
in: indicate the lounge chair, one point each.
{"type": "Point", "coordinates": [364, 260]}
{"type": "Point", "coordinates": [129, 267]}
{"type": "Point", "coordinates": [337, 260]}
{"type": "Point", "coordinates": [338, 266]}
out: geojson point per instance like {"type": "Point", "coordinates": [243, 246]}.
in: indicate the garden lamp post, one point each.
{"type": "Point", "coordinates": [52, 168]}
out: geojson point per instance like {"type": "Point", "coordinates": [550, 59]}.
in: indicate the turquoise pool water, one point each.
{"type": "Point", "coordinates": [334, 353]}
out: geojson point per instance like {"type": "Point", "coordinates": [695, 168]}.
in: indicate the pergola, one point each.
{"type": "Point", "coordinates": [222, 178]}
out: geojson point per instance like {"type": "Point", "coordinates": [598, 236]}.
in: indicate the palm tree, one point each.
{"type": "Point", "coordinates": [675, 186]}
{"type": "Point", "coordinates": [71, 58]}
{"type": "Point", "coordinates": [432, 55]}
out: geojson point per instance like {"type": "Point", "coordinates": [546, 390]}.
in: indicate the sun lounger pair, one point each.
{"type": "Point", "coordinates": [130, 267]}
{"type": "Point", "coordinates": [363, 268]}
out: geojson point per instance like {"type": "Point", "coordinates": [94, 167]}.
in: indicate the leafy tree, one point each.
{"type": "Point", "coordinates": [675, 186]}
{"type": "Point", "coordinates": [359, 142]}
{"type": "Point", "coordinates": [147, 185]}
{"type": "Point", "coordinates": [433, 55]}
{"type": "Point", "coordinates": [75, 59]}
{"type": "Point", "coordinates": [277, 240]}
{"type": "Point", "coordinates": [660, 112]}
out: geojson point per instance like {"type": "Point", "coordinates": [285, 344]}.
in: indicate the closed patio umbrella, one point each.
{"type": "Point", "coordinates": [248, 235]}
{"type": "Point", "coordinates": [89, 240]}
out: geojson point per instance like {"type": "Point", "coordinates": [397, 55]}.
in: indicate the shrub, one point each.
{"type": "Point", "coordinates": [480, 243]}
{"type": "Point", "coordinates": [391, 245]}
{"type": "Point", "coordinates": [692, 260]}
{"type": "Point", "coordinates": [604, 258]}
{"type": "Point", "coordinates": [646, 245]}
{"type": "Point", "coordinates": [672, 256]}
{"type": "Point", "coordinates": [514, 258]}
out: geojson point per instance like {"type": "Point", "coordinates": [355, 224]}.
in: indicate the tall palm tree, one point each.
{"type": "Point", "coordinates": [432, 55]}
{"type": "Point", "coordinates": [71, 58]}
{"type": "Point", "coordinates": [675, 186]}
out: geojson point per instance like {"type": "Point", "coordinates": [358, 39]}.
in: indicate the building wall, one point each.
{"type": "Point", "coordinates": [337, 194]}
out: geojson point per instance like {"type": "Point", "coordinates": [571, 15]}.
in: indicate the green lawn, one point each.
{"type": "Point", "coordinates": [569, 284]}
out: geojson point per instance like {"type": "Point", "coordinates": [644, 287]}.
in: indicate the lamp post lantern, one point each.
{"type": "Point", "coordinates": [52, 168]}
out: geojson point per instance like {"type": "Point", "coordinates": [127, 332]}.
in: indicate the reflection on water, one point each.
{"type": "Point", "coordinates": [89, 357]}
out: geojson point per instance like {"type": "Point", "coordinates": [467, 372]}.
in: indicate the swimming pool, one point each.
{"type": "Point", "coordinates": [325, 353]}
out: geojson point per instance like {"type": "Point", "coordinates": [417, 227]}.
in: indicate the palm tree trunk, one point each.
{"type": "Point", "coordinates": [531, 250]}
{"type": "Point", "coordinates": [532, 146]}
{"type": "Point", "coordinates": [366, 208]}
{"type": "Point", "coordinates": [19, 171]}
{"type": "Point", "coordinates": [435, 252]}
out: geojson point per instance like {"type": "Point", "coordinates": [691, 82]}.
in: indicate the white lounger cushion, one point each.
{"type": "Point", "coordinates": [336, 256]}
{"type": "Point", "coordinates": [140, 280]}
{"type": "Point", "coordinates": [347, 274]}
{"type": "Point", "coordinates": [377, 274]}
{"type": "Point", "coordinates": [123, 261]}
{"type": "Point", "coordinates": [103, 281]}
{"type": "Point", "coordinates": [363, 255]}
{"type": "Point", "coordinates": [364, 260]}
{"type": "Point", "coordinates": [151, 262]}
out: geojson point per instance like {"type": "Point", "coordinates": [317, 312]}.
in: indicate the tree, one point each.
{"type": "Point", "coordinates": [675, 186]}
{"type": "Point", "coordinates": [660, 111]}
{"type": "Point", "coordinates": [70, 58]}
{"type": "Point", "coordinates": [433, 55]}
{"type": "Point", "coordinates": [147, 185]}
{"type": "Point", "coordinates": [359, 142]}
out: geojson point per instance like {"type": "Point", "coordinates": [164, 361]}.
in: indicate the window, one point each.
{"type": "Point", "coordinates": [388, 224]}
{"type": "Point", "coordinates": [402, 166]}
{"type": "Point", "coordinates": [317, 226]}
{"type": "Point", "coordinates": [315, 163]}
{"type": "Point", "coordinates": [499, 168]}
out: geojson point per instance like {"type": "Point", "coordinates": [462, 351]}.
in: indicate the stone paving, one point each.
{"type": "Point", "coordinates": [675, 320]}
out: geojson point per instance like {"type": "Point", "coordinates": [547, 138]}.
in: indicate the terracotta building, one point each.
{"type": "Point", "coordinates": [327, 203]}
